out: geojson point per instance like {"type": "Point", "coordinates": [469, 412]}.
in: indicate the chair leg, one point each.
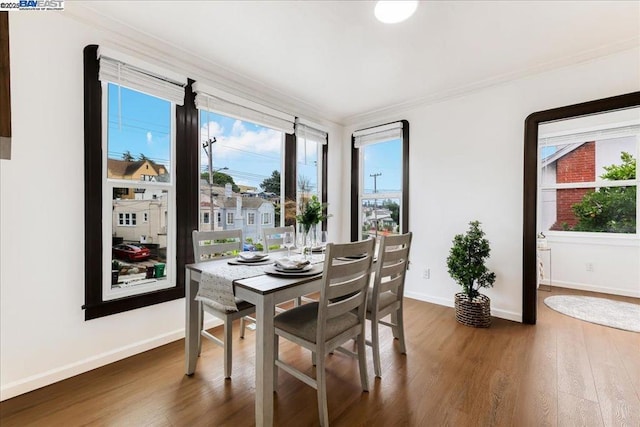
{"type": "Point", "coordinates": [400, 326]}
{"type": "Point", "coordinates": [394, 321]}
{"type": "Point", "coordinates": [362, 361]}
{"type": "Point", "coordinates": [375, 347]}
{"type": "Point", "coordinates": [242, 326]}
{"type": "Point", "coordinates": [228, 344]}
{"type": "Point", "coordinates": [276, 343]}
{"type": "Point", "coordinates": [200, 326]}
{"type": "Point", "coordinates": [321, 382]}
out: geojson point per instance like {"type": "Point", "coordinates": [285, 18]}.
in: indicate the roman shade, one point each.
{"type": "Point", "coordinates": [123, 70]}
{"type": "Point", "coordinates": [378, 134]}
{"type": "Point", "coordinates": [218, 101]}
{"type": "Point", "coordinates": [310, 132]}
{"type": "Point", "coordinates": [600, 134]}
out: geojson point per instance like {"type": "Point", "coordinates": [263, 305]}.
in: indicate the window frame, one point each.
{"type": "Point", "coordinates": [356, 182]}
{"type": "Point", "coordinates": [596, 184]}
{"type": "Point", "coordinates": [186, 193]}
{"type": "Point", "coordinates": [251, 218]}
{"type": "Point", "coordinates": [290, 177]}
{"type": "Point", "coordinates": [230, 215]}
{"type": "Point", "coordinates": [266, 218]}
{"type": "Point", "coordinates": [530, 186]}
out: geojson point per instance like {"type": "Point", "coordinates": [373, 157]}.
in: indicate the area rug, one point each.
{"type": "Point", "coordinates": [616, 314]}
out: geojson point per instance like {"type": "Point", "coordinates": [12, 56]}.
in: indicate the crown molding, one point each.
{"type": "Point", "coordinates": [120, 36]}
{"type": "Point", "coordinates": [177, 58]}
{"type": "Point", "coordinates": [584, 56]}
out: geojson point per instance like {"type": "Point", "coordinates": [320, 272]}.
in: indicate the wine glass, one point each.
{"type": "Point", "coordinates": [288, 241]}
{"type": "Point", "coordinates": [323, 239]}
{"type": "Point", "coordinates": [301, 242]}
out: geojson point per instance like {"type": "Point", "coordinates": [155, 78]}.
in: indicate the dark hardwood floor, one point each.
{"type": "Point", "coordinates": [561, 372]}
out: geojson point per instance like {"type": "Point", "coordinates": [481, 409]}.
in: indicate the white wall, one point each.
{"type": "Point", "coordinates": [43, 335]}
{"type": "Point", "coordinates": [595, 263]}
{"type": "Point", "coordinates": [466, 164]}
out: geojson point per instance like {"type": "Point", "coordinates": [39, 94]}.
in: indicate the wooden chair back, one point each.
{"type": "Point", "coordinates": [273, 236]}
{"type": "Point", "coordinates": [214, 244]}
{"type": "Point", "coordinates": [345, 280]}
{"type": "Point", "coordinates": [391, 266]}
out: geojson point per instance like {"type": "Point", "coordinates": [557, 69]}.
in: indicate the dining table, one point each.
{"type": "Point", "coordinates": [265, 292]}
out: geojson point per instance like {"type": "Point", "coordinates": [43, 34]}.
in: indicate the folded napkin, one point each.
{"type": "Point", "coordinates": [250, 256]}
{"type": "Point", "coordinates": [290, 264]}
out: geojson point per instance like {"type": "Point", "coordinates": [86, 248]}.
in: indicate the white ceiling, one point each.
{"type": "Point", "coordinates": [335, 58]}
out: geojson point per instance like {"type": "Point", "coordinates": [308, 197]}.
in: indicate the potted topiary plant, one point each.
{"type": "Point", "coordinates": [466, 262]}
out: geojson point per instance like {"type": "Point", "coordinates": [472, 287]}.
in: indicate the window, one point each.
{"type": "Point", "coordinates": [587, 174]}
{"type": "Point", "coordinates": [266, 218]}
{"type": "Point", "coordinates": [310, 143]}
{"type": "Point", "coordinates": [205, 217]}
{"type": "Point", "coordinates": [243, 151]}
{"type": "Point", "coordinates": [126, 219]}
{"type": "Point", "coordinates": [380, 195]}
{"type": "Point", "coordinates": [132, 112]}
{"type": "Point", "coordinates": [168, 193]}
{"type": "Point", "coordinates": [138, 123]}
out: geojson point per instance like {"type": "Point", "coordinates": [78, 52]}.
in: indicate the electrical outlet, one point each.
{"type": "Point", "coordinates": [589, 266]}
{"type": "Point", "coordinates": [426, 274]}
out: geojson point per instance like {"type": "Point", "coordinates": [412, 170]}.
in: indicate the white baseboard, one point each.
{"type": "Point", "coordinates": [593, 288]}
{"type": "Point", "coordinates": [51, 376]}
{"type": "Point", "coordinates": [495, 312]}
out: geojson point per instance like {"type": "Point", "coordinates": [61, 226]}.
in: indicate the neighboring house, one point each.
{"type": "Point", "coordinates": [139, 215]}
{"type": "Point", "coordinates": [139, 170]}
{"type": "Point", "coordinates": [575, 163]}
{"type": "Point", "coordinates": [143, 219]}
{"type": "Point", "coordinates": [233, 210]}
{"type": "Point", "coordinates": [210, 219]}
{"type": "Point", "coordinates": [251, 214]}
{"type": "Point", "coordinates": [379, 219]}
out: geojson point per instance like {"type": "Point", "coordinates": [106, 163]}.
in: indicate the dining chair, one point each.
{"type": "Point", "coordinates": [209, 245]}
{"type": "Point", "coordinates": [338, 317]}
{"type": "Point", "coordinates": [272, 237]}
{"type": "Point", "coordinates": [384, 298]}
{"type": "Point", "coordinates": [272, 241]}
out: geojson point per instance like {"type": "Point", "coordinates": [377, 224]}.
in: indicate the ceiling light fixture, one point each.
{"type": "Point", "coordinates": [391, 12]}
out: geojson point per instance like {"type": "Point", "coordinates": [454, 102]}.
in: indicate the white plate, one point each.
{"type": "Point", "coordinates": [314, 270]}
{"type": "Point", "coordinates": [293, 270]}
{"type": "Point", "coordinates": [257, 258]}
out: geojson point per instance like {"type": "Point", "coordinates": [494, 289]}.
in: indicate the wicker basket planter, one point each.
{"type": "Point", "coordinates": [475, 313]}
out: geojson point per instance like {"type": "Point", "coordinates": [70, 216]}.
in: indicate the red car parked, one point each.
{"type": "Point", "coordinates": [130, 252]}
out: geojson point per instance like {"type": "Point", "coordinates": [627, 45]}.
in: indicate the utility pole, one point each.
{"type": "Point", "coordinates": [375, 201]}
{"type": "Point", "coordinates": [209, 144]}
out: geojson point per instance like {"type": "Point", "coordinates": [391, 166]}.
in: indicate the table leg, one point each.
{"type": "Point", "coordinates": [191, 324]}
{"type": "Point", "coordinates": [264, 360]}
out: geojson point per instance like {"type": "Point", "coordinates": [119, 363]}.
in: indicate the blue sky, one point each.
{"type": "Point", "coordinates": [250, 152]}
{"type": "Point", "coordinates": [384, 158]}
{"type": "Point", "coordinates": [140, 124]}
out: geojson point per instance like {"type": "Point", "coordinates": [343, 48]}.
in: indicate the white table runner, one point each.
{"type": "Point", "coordinates": [216, 280]}
{"type": "Point", "coordinates": [216, 285]}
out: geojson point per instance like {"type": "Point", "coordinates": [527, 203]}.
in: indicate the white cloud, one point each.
{"type": "Point", "coordinates": [241, 142]}
{"type": "Point", "coordinates": [238, 128]}
{"type": "Point", "coordinates": [149, 137]}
